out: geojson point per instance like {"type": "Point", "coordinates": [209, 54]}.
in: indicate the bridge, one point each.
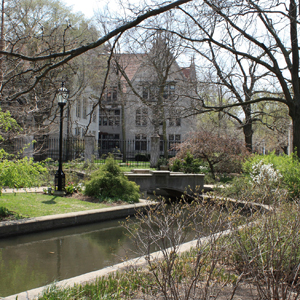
{"type": "Point", "coordinates": [165, 182]}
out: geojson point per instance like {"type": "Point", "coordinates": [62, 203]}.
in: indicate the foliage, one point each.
{"type": "Point", "coordinates": [4, 212]}
{"type": "Point", "coordinates": [7, 123]}
{"type": "Point", "coordinates": [72, 188]}
{"type": "Point", "coordinates": [267, 252]}
{"type": "Point", "coordinates": [287, 167]}
{"type": "Point", "coordinates": [21, 173]}
{"type": "Point", "coordinates": [110, 183]}
{"type": "Point", "coordinates": [213, 149]}
{"type": "Point", "coordinates": [187, 165]}
{"type": "Point", "coordinates": [162, 162]}
{"type": "Point", "coordinates": [7, 214]}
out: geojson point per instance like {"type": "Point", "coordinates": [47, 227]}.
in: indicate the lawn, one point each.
{"type": "Point", "coordinates": [35, 205]}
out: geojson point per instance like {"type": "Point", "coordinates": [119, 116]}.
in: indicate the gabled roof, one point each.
{"type": "Point", "coordinates": [130, 63]}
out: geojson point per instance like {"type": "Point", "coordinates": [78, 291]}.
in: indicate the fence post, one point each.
{"type": "Point", "coordinates": [154, 153]}
{"type": "Point", "coordinates": [89, 142]}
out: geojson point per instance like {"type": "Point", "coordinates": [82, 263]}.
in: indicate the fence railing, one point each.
{"type": "Point", "coordinates": [74, 148]}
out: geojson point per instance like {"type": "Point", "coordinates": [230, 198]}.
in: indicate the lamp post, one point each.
{"type": "Point", "coordinates": [62, 97]}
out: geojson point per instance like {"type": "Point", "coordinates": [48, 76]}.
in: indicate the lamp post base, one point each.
{"type": "Point", "coordinates": [60, 181]}
{"type": "Point", "coordinates": [59, 193]}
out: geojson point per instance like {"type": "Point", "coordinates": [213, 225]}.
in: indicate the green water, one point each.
{"type": "Point", "coordinates": [34, 260]}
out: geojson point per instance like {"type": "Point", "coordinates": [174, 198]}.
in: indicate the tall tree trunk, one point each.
{"type": "Point", "coordinates": [247, 127]}
{"type": "Point", "coordinates": [296, 131]}
{"type": "Point", "coordinates": [248, 133]}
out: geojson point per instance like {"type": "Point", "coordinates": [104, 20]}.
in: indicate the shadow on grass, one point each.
{"type": "Point", "coordinates": [51, 201]}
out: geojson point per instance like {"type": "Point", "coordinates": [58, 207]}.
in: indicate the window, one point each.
{"type": "Point", "coordinates": [173, 140]}
{"type": "Point", "coordinates": [169, 90]}
{"type": "Point", "coordinates": [77, 131]}
{"type": "Point", "coordinates": [174, 119]}
{"type": "Point", "coordinates": [78, 109]}
{"type": "Point", "coordinates": [150, 91]}
{"type": "Point", "coordinates": [110, 117]}
{"type": "Point", "coordinates": [109, 142]}
{"type": "Point", "coordinates": [161, 143]}
{"type": "Point", "coordinates": [84, 109]}
{"type": "Point", "coordinates": [140, 142]}
{"type": "Point", "coordinates": [141, 116]}
{"type": "Point", "coordinates": [112, 94]}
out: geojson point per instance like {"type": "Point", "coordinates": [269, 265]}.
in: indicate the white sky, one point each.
{"type": "Point", "coordinates": [87, 7]}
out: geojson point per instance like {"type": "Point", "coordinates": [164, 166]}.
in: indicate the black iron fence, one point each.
{"type": "Point", "coordinates": [46, 147]}
{"type": "Point", "coordinates": [124, 151]}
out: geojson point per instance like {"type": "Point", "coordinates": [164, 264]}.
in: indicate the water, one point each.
{"type": "Point", "coordinates": [34, 260]}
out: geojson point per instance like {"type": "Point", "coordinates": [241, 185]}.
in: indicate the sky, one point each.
{"type": "Point", "coordinates": [84, 6]}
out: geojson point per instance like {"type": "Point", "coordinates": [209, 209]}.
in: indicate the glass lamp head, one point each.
{"type": "Point", "coordinates": [62, 94]}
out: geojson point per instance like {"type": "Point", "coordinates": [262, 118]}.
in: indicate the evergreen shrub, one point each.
{"type": "Point", "coordinates": [109, 183]}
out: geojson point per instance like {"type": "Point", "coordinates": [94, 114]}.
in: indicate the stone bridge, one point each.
{"type": "Point", "coordinates": [165, 182]}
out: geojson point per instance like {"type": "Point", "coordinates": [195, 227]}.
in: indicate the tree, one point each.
{"type": "Point", "coordinates": [56, 47]}
{"type": "Point", "coordinates": [238, 79]}
{"type": "Point", "coordinates": [30, 27]}
{"type": "Point", "coordinates": [274, 48]}
{"type": "Point", "coordinates": [213, 149]}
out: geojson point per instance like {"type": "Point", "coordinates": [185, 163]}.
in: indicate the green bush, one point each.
{"type": "Point", "coordinates": [110, 183]}
{"type": "Point", "coordinates": [188, 165]}
{"type": "Point", "coordinates": [176, 165]}
{"type": "Point", "coordinates": [287, 167]}
{"type": "Point", "coordinates": [21, 173]}
{"type": "Point", "coordinates": [162, 162]}
{"type": "Point", "coordinates": [4, 212]}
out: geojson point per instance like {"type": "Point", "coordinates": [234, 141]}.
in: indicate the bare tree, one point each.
{"type": "Point", "coordinates": [264, 33]}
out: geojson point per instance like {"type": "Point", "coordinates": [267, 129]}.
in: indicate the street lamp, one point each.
{"type": "Point", "coordinates": [62, 97]}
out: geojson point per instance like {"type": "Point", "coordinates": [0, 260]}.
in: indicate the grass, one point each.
{"type": "Point", "coordinates": [29, 205]}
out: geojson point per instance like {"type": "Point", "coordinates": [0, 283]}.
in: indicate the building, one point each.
{"type": "Point", "coordinates": [139, 103]}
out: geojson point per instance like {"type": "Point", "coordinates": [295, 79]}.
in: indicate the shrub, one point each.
{"type": "Point", "coordinates": [142, 157]}
{"type": "Point", "coordinates": [4, 212]}
{"type": "Point", "coordinates": [162, 162]}
{"type": "Point", "coordinates": [267, 252]}
{"type": "Point", "coordinates": [187, 165]}
{"type": "Point", "coordinates": [72, 188]}
{"type": "Point", "coordinates": [110, 183]}
{"type": "Point", "coordinates": [286, 166]}
{"type": "Point", "coordinates": [21, 173]}
{"type": "Point", "coordinates": [176, 165]}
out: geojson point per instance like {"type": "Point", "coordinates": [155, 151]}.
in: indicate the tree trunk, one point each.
{"type": "Point", "coordinates": [248, 133]}
{"type": "Point", "coordinates": [247, 127]}
{"type": "Point", "coordinates": [296, 132]}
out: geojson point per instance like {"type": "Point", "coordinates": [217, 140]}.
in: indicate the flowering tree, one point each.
{"type": "Point", "coordinates": [213, 148]}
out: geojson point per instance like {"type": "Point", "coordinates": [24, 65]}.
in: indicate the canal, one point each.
{"type": "Point", "coordinates": [34, 260]}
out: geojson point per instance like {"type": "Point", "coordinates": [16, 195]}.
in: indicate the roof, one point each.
{"type": "Point", "coordinates": [131, 63]}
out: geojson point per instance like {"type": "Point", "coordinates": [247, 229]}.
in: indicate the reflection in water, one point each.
{"type": "Point", "coordinates": [34, 260]}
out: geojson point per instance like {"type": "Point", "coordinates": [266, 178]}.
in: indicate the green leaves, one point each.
{"type": "Point", "coordinates": [21, 173]}
{"type": "Point", "coordinates": [109, 183]}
